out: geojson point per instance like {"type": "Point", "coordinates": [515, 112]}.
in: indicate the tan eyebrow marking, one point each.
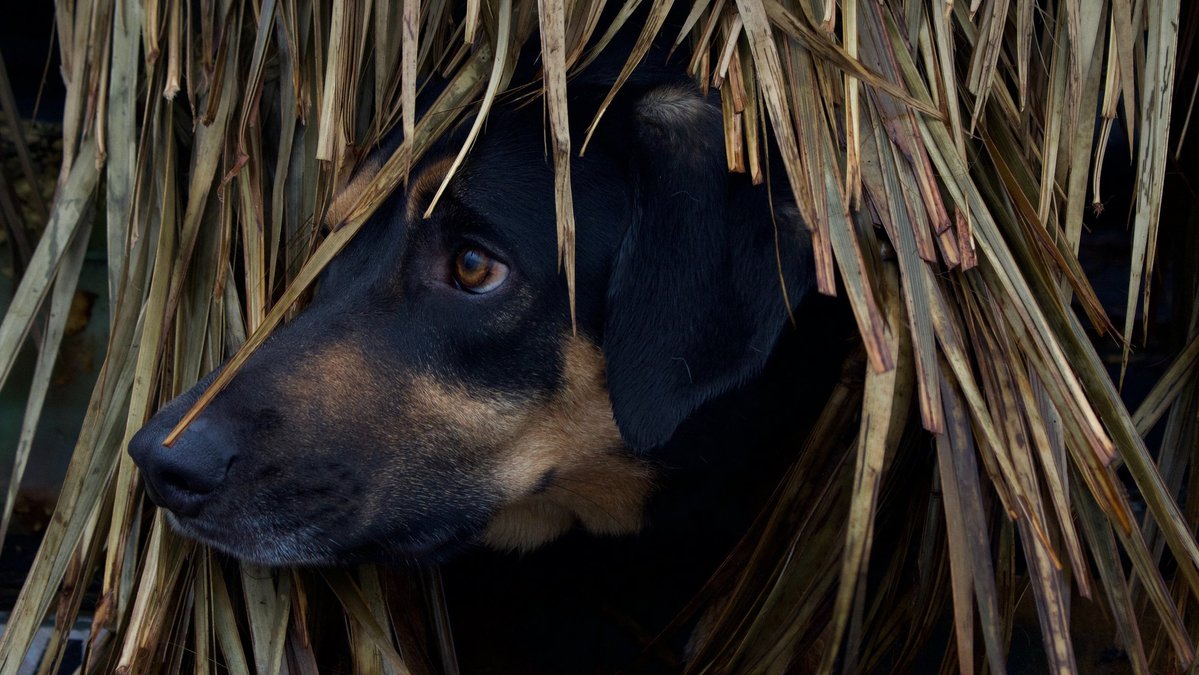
{"type": "Point", "coordinates": [423, 185]}
{"type": "Point", "coordinates": [421, 189]}
{"type": "Point", "coordinates": [345, 199]}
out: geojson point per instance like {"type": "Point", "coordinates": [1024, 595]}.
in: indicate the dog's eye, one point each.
{"type": "Point", "coordinates": [477, 272]}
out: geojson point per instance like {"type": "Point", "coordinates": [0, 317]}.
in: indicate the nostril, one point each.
{"type": "Point", "coordinates": [182, 490]}
{"type": "Point", "coordinates": [181, 482]}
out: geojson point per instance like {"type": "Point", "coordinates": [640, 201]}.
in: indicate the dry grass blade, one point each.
{"type": "Point", "coordinates": [552, 14]}
{"type": "Point", "coordinates": [881, 413]}
{"type": "Point", "coordinates": [985, 58]}
{"type": "Point", "coordinates": [1107, 559]}
{"type": "Point", "coordinates": [833, 54]}
{"type": "Point", "coordinates": [162, 566]}
{"type": "Point", "coordinates": [66, 217]}
{"type": "Point", "coordinates": [859, 285]}
{"type": "Point", "coordinates": [773, 90]}
{"type": "Point", "coordinates": [959, 477]}
{"type": "Point", "coordinates": [853, 109]}
{"type": "Point", "coordinates": [1122, 29]}
{"type": "Point", "coordinates": [1053, 470]}
{"type": "Point", "coordinates": [119, 165]}
{"type": "Point", "coordinates": [499, 64]}
{"type": "Point", "coordinates": [801, 78]}
{"type": "Point", "coordinates": [1154, 130]}
{"type": "Point", "coordinates": [614, 25]}
{"type": "Point", "coordinates": [883, 184]}
{"type": "Point", "coordinates": [328, 143]}
{"type": "Point", "coordinates": [1181, 373]}
{"type": "Point", "coordinates": [202, 606]}
{"type": "Point", "coordinates": [1049, 243]}
{"type": "Point", "coordinates": [268, 606]}
{"type": "Point", "coordinates": [154, 309]}
{"type": "Point", "coordinates": [653, 23]}
{"type": "Point", "coordinates": [224, 621]}
{"type": "Point", "coordinates": [1083, 139]}
{"type": "Point", "coordinates": [471, 22]}
{"type": "Point", "coordinates": [60, 309]}
{"type": "Point", "coordinates": [1024, 35]}
{"type": "Point", "coordinates": [409, 50]}
{"type": "Point", "coordinates": [1054, 115]}
{"type": "Point", "coordinates": [359, 612]}
{"type": "Point", "coordinates": [913, 180]}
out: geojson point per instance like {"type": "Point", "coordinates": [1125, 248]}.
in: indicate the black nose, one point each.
{"type": "Point", "coordinates": [182, 478]}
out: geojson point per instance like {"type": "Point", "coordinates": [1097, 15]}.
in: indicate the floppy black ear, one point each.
{"type": "Point", "coordinates": [695, 302]}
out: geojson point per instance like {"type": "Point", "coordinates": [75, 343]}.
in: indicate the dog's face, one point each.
{"type": "Point", "coordinates": [435, 392]}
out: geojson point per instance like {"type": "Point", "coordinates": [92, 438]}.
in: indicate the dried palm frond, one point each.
{"type": "Point", "coordinates": [942, 155]}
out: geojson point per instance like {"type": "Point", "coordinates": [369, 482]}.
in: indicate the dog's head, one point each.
{"type": "Point", "coordinates": [434, 392]}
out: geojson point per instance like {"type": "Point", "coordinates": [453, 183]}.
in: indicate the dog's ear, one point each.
{"type": "Point", "coordinates": [695, 301]}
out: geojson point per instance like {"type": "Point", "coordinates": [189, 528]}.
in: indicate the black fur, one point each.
{"type": "Point", "coordinates": [695, 302]}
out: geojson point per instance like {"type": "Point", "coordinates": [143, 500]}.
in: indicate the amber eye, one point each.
{"type": "Point", "coordinates": [477, 272]}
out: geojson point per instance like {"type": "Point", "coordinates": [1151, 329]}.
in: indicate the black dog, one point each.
{"type": "Point", "coordinates": [433, 398]}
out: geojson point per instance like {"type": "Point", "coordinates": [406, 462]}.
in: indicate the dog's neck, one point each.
{"type": "Point", "coordinates": [602, 600]}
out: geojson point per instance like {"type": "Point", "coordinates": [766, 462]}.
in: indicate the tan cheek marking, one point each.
{"type": "Point", "coordinates": [336, 381]}
{"type": "Point", "coordinates": [595, 483]}
{"type": "Point", "coordinates": [434, 405]}
{"type": "Point", "coordinates": [341, 385]}
{"type": "Point", "coordinates": [339, 382]}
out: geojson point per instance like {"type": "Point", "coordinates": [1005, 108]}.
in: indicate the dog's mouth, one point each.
{"type": "Point", "coordinates": [275, 545]}
{"type": "Point", "coordinates": [261, 545]}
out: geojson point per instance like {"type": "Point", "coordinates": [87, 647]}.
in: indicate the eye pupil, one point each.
{"type": "Point", "coordinates": [472, 260]}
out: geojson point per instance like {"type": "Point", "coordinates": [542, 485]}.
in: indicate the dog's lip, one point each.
{"type": "Point", "coordinates": [196, 527]}
{"type": "Point", "coordinates": [436, 551]}
{"type": "Point", "coordinates": [432, 550]}
{"type": "Point", "coordinates": [232, 543]}
{"type": "Point", "coordinates": [155, 498]}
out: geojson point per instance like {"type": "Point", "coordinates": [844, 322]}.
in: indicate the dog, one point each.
{"type": "Point", "coordinates": [436, 403]}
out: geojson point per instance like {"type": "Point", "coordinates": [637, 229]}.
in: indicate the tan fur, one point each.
{"type": "Point", "coordinates": [423, 186]}
{"type": "Point", "coordinates": [433, 403]}
{"type": "Point", "coordinates": [595, 482]}
{"type": "Point", "coordinates": [339, 209]}
{"type": "Point", "coordinates": [420, 191]}
{"type": "Point", "coordinates": [337, 382]}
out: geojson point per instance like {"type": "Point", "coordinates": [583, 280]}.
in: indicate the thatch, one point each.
{"type": "Point", "coordinates": [943, 155]}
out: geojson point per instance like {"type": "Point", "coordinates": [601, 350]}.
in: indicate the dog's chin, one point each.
{"type": "Point", "coordinates": [271, 547]}
{"type": "Point", "coordinates": [262, 546]}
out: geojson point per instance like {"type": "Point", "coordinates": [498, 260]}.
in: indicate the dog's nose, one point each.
{"type": "Point", "coordinates": [181, 478]}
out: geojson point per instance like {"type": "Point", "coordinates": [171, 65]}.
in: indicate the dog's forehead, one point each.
{"type": "Point", "coordinates": [504, 177]}
{"type": "Point", "coordinates": [422, 184]}
{"type": "Point", "coordinates": [502, 190]}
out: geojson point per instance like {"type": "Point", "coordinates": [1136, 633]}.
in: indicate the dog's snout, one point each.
{"type": "Point", "coordinates": [182, 477]}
